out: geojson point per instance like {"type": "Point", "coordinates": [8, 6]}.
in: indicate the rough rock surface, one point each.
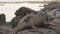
{"type": "Point", "coordinates": [53, 10]}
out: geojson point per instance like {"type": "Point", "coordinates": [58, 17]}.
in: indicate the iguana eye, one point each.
{"type": "Point", "coordinates": [54, 14]}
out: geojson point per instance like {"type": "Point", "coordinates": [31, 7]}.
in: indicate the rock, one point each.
{"type": "Point", "coordinates": [53, 11]}
{"type": "Point", "coordinates": [15, 21]}
{"type": "Point", "coordinates": [2, 19]}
